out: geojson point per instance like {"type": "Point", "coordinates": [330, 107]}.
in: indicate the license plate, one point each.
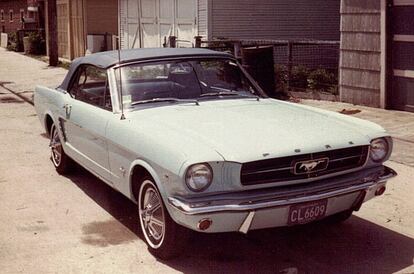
{"type": "Point", "coordinates": [307, 212]}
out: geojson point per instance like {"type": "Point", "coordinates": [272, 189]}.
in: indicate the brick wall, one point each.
{"type": "Point", "coordinates": [15, 6]}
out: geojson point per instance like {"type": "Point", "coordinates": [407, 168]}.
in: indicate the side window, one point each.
{"type": "Point", "coordinates": [91, 86]}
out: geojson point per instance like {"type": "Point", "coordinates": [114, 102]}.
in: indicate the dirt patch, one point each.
{"type": "Point", "coordinates": [106, 233]}
{"type": "Point", "coordinates": [349, 111]}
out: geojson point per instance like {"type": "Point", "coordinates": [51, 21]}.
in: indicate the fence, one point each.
{"type": "Point", "coordinates": [299, 66]}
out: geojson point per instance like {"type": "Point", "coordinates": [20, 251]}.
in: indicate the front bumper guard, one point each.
{"type": "Point", "coordinates": [217, 205]}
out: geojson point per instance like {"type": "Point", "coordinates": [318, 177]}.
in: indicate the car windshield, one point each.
{"type": "Point", "coordinates": [183, 81]}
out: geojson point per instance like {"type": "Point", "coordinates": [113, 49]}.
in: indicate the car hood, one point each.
{"type": "Point", "coordinates": [246, 129]}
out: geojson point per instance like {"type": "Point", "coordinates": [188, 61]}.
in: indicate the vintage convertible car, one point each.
{"type": "Point", "coordinates": [190, 137]}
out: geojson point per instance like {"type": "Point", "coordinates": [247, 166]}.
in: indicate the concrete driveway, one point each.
{"type": "Point", "coordinates": [77, 224]}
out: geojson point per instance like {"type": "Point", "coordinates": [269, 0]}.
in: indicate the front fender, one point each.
{"type": "Point", "coordinates": [152, 172]}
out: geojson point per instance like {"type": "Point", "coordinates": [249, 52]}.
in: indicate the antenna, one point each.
{"type": "Point", "coordinates": [119, 62]}
{"type": "Point", "coordinates": [120, 83]}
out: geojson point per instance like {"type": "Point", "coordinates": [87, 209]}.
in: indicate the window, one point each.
{"type": "Point", "coordinates": [2, 15]}
{"type": "Point", "coordinates": [11, 15]}
{"type": "Point", "coordinates": [192, 79]}
{"type": "Point", "coordinates": [90, 85]}
{"type": "Point", "coordinates": [22, 15]}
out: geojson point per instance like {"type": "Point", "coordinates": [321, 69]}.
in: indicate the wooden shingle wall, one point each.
{"type": "Point", "coordinates": [360, 67]}
{"type": "Point", "coordinates": [202, 15]}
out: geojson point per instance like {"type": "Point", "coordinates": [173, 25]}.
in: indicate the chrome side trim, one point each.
{"type": "Point", "coordinates": [245, 227]}
{"type": "Point", "coordinates": [243, 205]}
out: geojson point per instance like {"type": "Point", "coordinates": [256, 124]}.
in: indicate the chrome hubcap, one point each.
{"type": "Point", "coordinates": [151, 214]}
{"type": "Point", "coordinates": [55, 146]}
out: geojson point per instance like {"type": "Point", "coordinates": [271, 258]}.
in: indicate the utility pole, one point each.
{"type": "Point", "coordinates": [53, 39]}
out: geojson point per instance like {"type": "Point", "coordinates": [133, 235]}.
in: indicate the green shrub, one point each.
{"type": "Point", "coordinates": [299, 77]}
{"type": "Point", "coordinates": [280, 78]}
{"type": "Point", "coordinates": [323, 80]}
{"type": "Point", "coordinates": [12, 46]}
{"type": "Point", "coordinates": [38, 43]}
{"type": "Point", "coordinates": [12, 41]}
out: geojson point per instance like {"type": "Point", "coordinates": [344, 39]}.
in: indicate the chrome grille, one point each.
{"type": "Point", "coordinates": [282, 169]}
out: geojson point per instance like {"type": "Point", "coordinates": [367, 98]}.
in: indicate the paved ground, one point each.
{"type": "Point", "coordinates": [77, 224]}
{"type": "Point", "coordinates": [20, 73]}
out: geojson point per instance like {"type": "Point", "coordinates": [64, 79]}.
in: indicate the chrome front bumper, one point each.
{"type": "Point", "coordinates": [248, 202]}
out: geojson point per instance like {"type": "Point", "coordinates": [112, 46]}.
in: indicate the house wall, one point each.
{"type": "Point", "coordinates": [123, 24]}
{"type": "Point", "coordinates": [8, 25]}
{"type": "Point", "coordinates": [63, 28]}
{"type": "Point", "coordinates": [275, 19]}
{"type": "Point", "coordinates": [102, 16]}
{"type": "Point", "coordinates": [202, 14]}
{"type": "Point", "coordinates": [77, 28]}
{"type": "Point", "coordinates": [260, 19]}
{"type": "Point", "coordinates": [77, 18]}
{"type": "Point", "coordinates": [360, 52]}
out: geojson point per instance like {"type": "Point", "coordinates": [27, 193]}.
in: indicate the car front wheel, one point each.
{"type": "Point", "coordinates": [165, 238]}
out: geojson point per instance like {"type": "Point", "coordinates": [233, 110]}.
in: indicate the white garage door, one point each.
{"type": "Point", "coordinates": [148, 22]}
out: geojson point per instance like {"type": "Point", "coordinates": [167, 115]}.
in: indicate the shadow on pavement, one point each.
{"type": "Point", "coordinates": [10, 99]}
{"type": "Point", "coordinates": [116, 204]}
{"type": "Point", "coordinates": [356, 246]}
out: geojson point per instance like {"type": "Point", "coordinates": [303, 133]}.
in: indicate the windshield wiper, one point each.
{"type": "Point", "coordinates": [227, 92]}
{"type": "Point", "coordinates": [161, 100]}
{"type": "Point", "coordinates": [220, 93]}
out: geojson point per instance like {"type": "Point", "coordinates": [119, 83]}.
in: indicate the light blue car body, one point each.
{"type": "Point", "coordinates": [165, 140]}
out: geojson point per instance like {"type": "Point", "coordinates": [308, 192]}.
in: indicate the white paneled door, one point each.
{"type": "Point", "coordinates": [150, 22]}
{"type": "Point", "coordinates": [186, 20]}
{"type": "Point", "coordinates": [166, 20]}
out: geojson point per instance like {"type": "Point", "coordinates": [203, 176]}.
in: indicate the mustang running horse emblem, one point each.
{"type": "Point", "coordinates": [311, 166]}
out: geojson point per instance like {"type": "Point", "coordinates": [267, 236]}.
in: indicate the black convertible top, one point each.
{"type": "Point", "coordinates": [108, 59]}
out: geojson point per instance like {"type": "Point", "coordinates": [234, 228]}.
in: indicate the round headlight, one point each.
{"type": "Point", "coordinates": [199, 177]}
{"type": "Point", "coordinates": [379, 150]}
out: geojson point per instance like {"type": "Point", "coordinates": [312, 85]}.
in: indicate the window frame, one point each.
{"type": "Point", "coordinates": [1, 15]}
{"type": "Point", "coordinates": [22, 15]}
{"type": "Point", "coordinates": [11, 16]}
{"type": "Point", "coordinates": [107, 92]}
